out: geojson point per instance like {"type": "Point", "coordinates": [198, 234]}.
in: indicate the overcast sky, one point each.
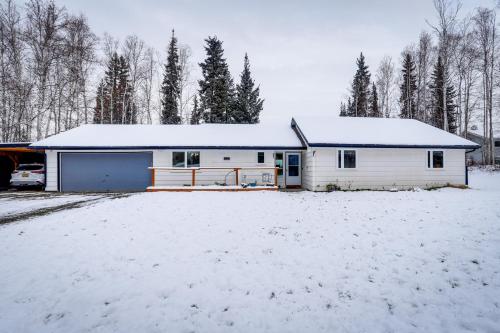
{"type": "Point", "coordinates": [302, 53]}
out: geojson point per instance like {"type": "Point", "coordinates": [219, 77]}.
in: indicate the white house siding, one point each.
{"type": "Point", "coordinates": [381, 168]}
{"type": "Point", "coordinates": [51, 170]}
{"type": "Point", "coordinates": [208, 158]}
{"type": "Point", "coordinates": [214, 158]}
{"type": "Point", "coordinates": [307, 169]}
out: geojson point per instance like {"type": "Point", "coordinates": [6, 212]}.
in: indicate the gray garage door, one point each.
{"type": "Point", "coordinates": [103, 172]}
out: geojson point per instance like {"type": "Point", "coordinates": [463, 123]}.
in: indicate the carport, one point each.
{"type": "Point", "coordinates": [14, 153]}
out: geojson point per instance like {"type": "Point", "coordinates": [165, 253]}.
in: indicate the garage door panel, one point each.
{"type": "Point", "coordinates": [104, 172]}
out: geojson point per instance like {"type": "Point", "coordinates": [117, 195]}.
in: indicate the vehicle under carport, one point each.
{"type": "Point", "coordinates": [14, 153]}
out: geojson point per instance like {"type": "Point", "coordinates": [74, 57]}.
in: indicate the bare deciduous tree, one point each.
{"type": "Point", "coordinates": [385, 77]}
{"type": "Point", "coordinates": [447, 11]}
{"type": "Point", "coordinates": [485, 34]}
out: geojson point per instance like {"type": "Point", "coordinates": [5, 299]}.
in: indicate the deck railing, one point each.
{"type": "Point", "coordinates": [194, 172]}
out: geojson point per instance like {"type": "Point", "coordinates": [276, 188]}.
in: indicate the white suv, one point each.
{"type": "Point", "coordinates": [28, 175]}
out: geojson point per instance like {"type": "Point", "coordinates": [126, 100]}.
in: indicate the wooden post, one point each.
{"type": "Point", "coordinates": [276, 177]}
{"type": "Point", "coordinates": [153, 176]}
{"type": "Point", "coordinates": [193, 177]}
{"type": "Point", "coordinates": [236, 174]}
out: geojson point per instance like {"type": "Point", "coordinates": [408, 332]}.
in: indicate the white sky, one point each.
{"type": "Point", "coordinates": [302, 53]}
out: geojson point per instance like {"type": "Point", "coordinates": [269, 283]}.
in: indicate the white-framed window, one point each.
{"type": "Point", "coordinates": [183, 159]}
{"type": "Point", "coordinates": [260, 157]}
{"type": "Point", "coordinates": [346, 159]}
{"type": "Point", "coordinates": [435, 159]}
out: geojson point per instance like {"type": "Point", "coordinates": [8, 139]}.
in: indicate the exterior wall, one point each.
{"type": "Point", "coordinates": [214, 158]}
{"type": "Point", "coordinates": [51, 170]}
{"type": "Point", "coordinates": [308, 169]}
{"type": "Point", "coordinates": [384, 168]}
{"type": "Point", "coordinates": [208, 158]}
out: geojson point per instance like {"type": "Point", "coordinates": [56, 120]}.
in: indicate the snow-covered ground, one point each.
{"type": "Point", "coordinates": [19, 202]}
{"type": "Point", "coordinates": [422, 261]}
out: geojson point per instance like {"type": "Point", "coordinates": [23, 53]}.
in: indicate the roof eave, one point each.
{"type": "Point", "coordinates": [356, 145]}
{"type": "Point", "coordinates": [169, 147]}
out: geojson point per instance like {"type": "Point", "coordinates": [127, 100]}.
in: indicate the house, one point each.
{"type": "Point", "coordinates": [476, 135]}
{"type": "Point", "coordinates": [313, 153]}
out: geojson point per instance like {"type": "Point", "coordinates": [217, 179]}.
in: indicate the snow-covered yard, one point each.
{"type": "Point", "coordinates": [422, 261]}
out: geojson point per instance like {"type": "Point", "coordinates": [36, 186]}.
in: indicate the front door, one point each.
{"type": "Point", "coordinates": [293, 173]}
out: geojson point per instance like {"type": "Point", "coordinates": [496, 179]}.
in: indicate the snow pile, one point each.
{"type": "Point", "coordinates": [425, 261]}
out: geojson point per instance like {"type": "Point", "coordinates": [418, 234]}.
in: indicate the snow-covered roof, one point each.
{"type": "Point", "coordinates": [174, 136]}
{"type": "Point", "coordinates": [375, 132]}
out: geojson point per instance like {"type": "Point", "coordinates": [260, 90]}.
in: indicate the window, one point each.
{"type": "Point", "coordinates": [181, 159]}
{"type": "Point", "coordinates": [346, 159]}
{"type": "Point", "coordinates": [193, 159]}
{"type": "Point", "coordinates": [227, 158]}
{"type": "Point", "coordinates": [178, 159]}
{"type": "Point", "coordinates": [260, 157]}
{"type": "Point", "coordinates": [435, 159]}
{"type": "Point", "coordinates": [278, 163]}
{"type": "Point", "coordinates": [497, 143]}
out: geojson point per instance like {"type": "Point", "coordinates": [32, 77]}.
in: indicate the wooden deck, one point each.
{"type": "Point", "coordinates": [210, 188]}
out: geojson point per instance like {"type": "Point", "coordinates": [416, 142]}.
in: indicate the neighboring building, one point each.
{"type": "Point", "coordinates": [477, 156]}
{"type": "Point", "coordinates": [314, 153]}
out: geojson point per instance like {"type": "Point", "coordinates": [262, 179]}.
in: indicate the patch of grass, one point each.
{"type": "Point", "coordinates": [437, 187]}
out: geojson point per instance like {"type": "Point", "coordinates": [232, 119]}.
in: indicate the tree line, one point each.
{"type": "Point", "coordinates": [449, 78]}
{"type": "Point", "coordinates": [56, 74]}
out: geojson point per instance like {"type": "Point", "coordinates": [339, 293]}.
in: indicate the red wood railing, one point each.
{"type": "Point", "coordinates": [195, 169]}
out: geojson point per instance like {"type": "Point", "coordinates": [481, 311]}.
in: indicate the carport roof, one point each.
{"type": "Point", "coordinates": [205, 136]}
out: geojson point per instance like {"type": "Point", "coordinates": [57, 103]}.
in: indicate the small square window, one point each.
{"type": "Point", "coordinates": [193, 159]}
{"type": "Point", "coordinates": [346, 159]}
{"type": "Point", "coordinates": [260, 157]}
{"type": "Point", "coordinates": [227, 158]}
{"type": "Point", "coordinates": [178, 159]}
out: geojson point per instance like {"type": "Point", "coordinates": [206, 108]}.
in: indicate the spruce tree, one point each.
{"type": "Point", "coordinates": [101, 105]}
{"type": "Point", "coordinates": [126, 108]}
{"type": "Point", "coordinates": [408, 89]}
{"type": "Point", "coordinates": [360, 89]}
{"type": "Point", "coordinates": [248, 103]}
{"type": "Point", "coordinates": [374, 110]}
{"type": "Point", "coordinates": [343, 110]}
{"type": "Point", "coordinates": [436, 88]}
{"type": "Point", "coordinates": [114, 104]}
{"type": "Point", "coordinates": [195, 113]}
{"type": "Point", "coordinates": [216, 86]}
{"type": "Point", "coordinates": [170, 88]}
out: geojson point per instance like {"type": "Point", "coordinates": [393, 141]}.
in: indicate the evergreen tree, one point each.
{"type": "Point", "coordinates": [170, 88]}
{"type": "Point", "coordinates": [216, 86]}
{"type": "Point", "coordinates": [408, 89]}
{"type": "Point", "coordinates": [374, 110]}
{"type": "Point", "coordinates": [101, 110]}
{"type": "Point", "coordinates": [248, 103]}
{"type": "Point", "coordinates": [114, 104]}
{"type": "Point", "coordinates": [195, 113]}
{"type": "Point", "coordinates": [436, 88]}
{"type": "Point", "coordinates": [360, 89]}
{"type": "Point", "coordinates": [343, 110]}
